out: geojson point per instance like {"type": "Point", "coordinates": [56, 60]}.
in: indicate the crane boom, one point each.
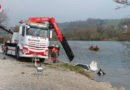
{"type": "Point", "coordinates": [7, 30]}
{"type": "Point", "coordinates": [61, 38]}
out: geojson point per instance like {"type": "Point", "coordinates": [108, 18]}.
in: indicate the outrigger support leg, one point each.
{"type": "Point", "coordinates": [35, 59]}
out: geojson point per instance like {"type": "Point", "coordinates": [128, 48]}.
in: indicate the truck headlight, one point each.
{"type": "Point", "coordinates": [46, 52]}
{"type": "Point", "coordinates": [25, 51]}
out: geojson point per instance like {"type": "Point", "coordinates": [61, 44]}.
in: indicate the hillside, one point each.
{"type": "Point", "coordinates": [96, 29]}
{"type": "Point", "coordinates": [89, 23]}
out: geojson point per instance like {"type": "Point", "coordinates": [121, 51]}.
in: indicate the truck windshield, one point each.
{"type": "Point", "coordinates": [36, 32]}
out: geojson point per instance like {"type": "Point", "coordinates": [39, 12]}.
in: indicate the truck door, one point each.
{"type": "Point", "coordinates": [22, 34]}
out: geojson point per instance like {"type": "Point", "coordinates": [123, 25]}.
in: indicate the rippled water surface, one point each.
{"type": "Point", "coordinates": [113, 58]}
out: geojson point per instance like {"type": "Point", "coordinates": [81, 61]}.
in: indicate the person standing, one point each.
{"type": "Point", "coordinates": [54, 54]}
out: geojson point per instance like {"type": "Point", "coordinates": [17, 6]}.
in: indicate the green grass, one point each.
{"type": "Point", "coordinates": [22, 72]}
{"type": "Point", "coordinates": [67, 66]}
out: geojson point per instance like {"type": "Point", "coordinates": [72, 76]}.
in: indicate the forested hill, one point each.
{"type": "Point", "coordinates": [89, 23]}
{"type": "Point", "coordinates": [96, 29]}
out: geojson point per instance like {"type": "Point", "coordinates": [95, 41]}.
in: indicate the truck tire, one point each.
{"type": "Point", "coordinates": [42, 59]}
{"type": "Point", "coordinates": [17, 54]}
{"type": "Point", "coordinates": [6, 50]}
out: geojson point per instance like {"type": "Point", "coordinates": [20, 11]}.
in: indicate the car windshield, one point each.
{"type": "Point", "coordinates": [36, 32]}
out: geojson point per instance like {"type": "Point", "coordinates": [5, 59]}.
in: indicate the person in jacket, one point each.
{"type": "Point", "coordinates": [54, 54]}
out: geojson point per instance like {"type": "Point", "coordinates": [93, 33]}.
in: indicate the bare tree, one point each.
{"type": "Point", "coordinates": [125, 3]}
{"type": "Point", "coordinates": [3, 23]}
{"type": "Point", "coordinates": [3, 18]}
{"type": "Point", "coordinates": [122, 1]}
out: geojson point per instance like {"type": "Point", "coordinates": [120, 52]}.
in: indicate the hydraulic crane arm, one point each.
{"type": "Point", "coordinates": [57, 30]}
{"type": "Point", "coordinates": [61, 38]}
{"type": "Point", "coordinates": [7, 30]}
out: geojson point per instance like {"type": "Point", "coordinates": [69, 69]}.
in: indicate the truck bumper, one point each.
{"type": "Point", "coordinates": [31, 56]}
{"type": "Point", "coordinates": [40, 54]}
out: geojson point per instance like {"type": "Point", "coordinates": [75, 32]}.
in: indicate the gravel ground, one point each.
{"type": "Point", "coordinates": [17, 75]}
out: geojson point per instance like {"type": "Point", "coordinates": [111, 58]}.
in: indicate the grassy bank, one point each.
{"type": "Point", "coordinates": [70, 67]}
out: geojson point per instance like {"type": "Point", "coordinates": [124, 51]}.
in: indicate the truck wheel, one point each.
{"type": "Point", "coordinates": [42, 59]}
{"type": "Point", "coordinates": [6, 50]}
{"type": "Point", "coordinates": [17, 54]}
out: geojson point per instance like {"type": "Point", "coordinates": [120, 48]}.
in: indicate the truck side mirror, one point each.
{"type": "Point", "coordinates": [23, 31]}
{"type": "Point", "coordinates": [20, 30]}
{"type": "Point", "coordinates": [50, 33]}
{"type": "Point", "coordinates": [22, 34]}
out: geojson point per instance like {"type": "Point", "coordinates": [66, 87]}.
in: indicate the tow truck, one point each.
{"type": "Point", "coordinates": [33, 39]}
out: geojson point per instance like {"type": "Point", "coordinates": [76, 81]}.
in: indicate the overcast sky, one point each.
{"type": "Point", "coordinates": [62, 10]}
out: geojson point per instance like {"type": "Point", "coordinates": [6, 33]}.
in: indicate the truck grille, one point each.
{"type": "Point", "coordinates": [37, 45]}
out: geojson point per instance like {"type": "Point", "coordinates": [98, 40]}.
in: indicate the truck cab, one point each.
{"type": "Point", "coordinates": [32, 40]}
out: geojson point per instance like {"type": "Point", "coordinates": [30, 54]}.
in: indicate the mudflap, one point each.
{"type": "Point", "coordinates": [67, 49]}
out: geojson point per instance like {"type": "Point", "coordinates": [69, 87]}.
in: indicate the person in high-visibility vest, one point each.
{"type": "Point", "coordinates": [58, 48]}
{"type": "Point", "coordinates": [54, 54]}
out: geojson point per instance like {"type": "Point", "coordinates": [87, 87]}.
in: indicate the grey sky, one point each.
{"type": "Point", "coordinates": [63, 10]}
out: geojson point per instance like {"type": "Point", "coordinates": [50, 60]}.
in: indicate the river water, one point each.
{"type": "Point", "coordinates": [113, 57]}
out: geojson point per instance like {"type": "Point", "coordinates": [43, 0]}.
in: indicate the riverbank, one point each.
{"type": "Point", "coordinates": [17, 75]}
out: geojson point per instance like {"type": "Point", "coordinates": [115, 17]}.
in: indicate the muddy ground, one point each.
{"type": "Point", "coordinates": [21, 75]}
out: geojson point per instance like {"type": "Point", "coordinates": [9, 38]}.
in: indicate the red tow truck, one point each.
{"type": "Point", "coordinates": [33, 39]}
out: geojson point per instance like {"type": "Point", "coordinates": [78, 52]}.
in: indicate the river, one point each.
{"type": "Point", "coordinates": [113, 57]}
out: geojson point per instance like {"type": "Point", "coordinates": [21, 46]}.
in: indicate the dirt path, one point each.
{"type": "Point", "coordinates": [16, 75]}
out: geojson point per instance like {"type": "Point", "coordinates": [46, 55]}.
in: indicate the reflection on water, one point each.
{"type": "Point", "coordinates": [113, 58]}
